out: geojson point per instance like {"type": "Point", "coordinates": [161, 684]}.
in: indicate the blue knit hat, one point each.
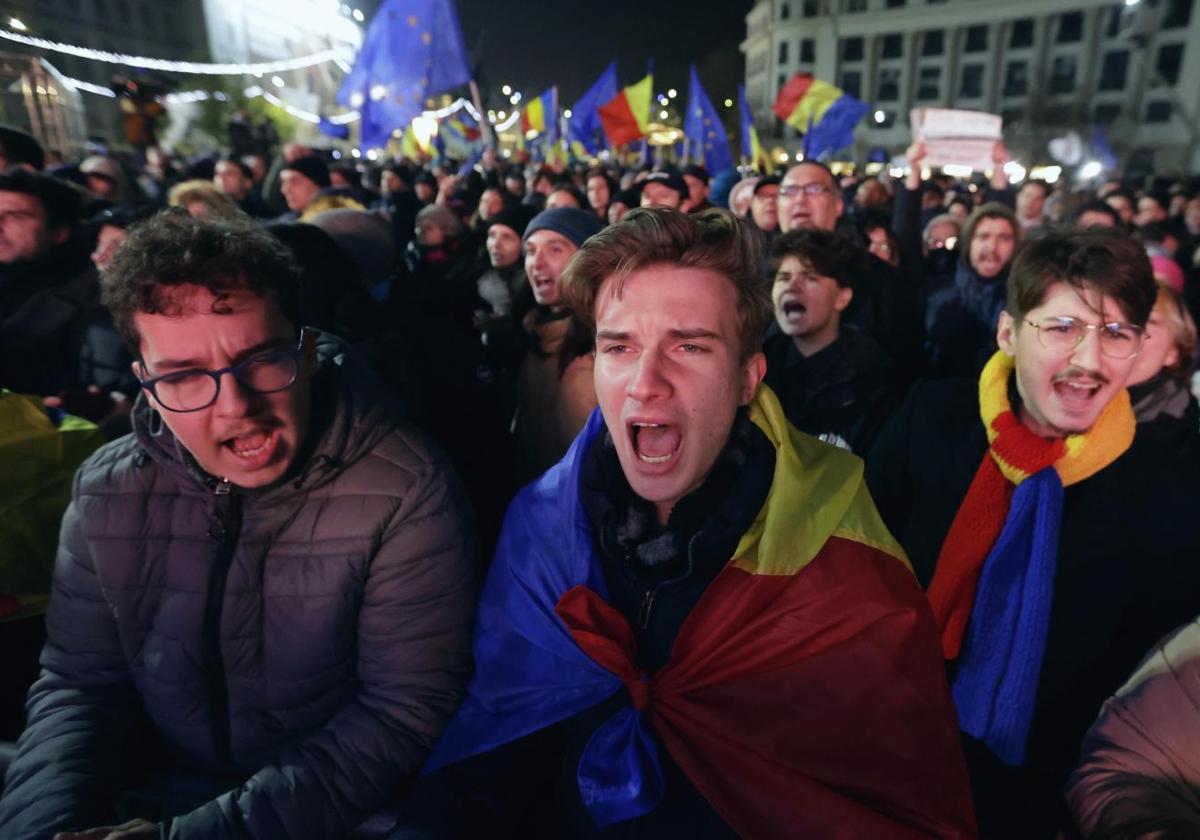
{"type": "Point", "coordinates": [570, 222]}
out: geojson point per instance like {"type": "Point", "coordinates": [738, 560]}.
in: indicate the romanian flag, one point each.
{"type": "Point", "coordinates": [40, 452]}
{"type": "Point", "coordinates": [541, 114]}
{"type": "Point", "coordinates": [805, 695]}
{"type": "Point", "coordinates": [752, 149]}
{"type": "Point", "coordinates": [825, 113]}
{"type": "Point", "coordinates": [627, 114]}
{"type": "Point", "coordinates": [412, 148]}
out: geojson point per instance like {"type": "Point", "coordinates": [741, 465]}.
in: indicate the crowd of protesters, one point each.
{"type": "Point", "coordinates": [255, 617]}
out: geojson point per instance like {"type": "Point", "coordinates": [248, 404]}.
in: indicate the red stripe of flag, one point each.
{"type": "Point", "coordinates": [620, 125]}
{"type": "Point", "coordinates": [791, 94]}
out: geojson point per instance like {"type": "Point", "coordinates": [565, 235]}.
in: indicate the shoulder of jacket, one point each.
{"type": "Point", "coordinates": [112, 467]}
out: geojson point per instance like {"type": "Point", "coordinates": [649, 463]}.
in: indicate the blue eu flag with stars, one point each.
{"type": "Point", "coordinates": [413, 48]}
{"type": "Point", "coordinates": [702, 126]}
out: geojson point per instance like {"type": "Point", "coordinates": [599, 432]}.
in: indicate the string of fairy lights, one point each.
{"type": "Point", "coordinates": [257, 69]}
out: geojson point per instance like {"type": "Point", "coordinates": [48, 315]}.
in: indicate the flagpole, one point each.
{"type": "Point", "coordinates": [489, 135]}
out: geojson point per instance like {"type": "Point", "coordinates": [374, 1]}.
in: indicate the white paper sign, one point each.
{"type": "Point", "coordinates": [966, 138]}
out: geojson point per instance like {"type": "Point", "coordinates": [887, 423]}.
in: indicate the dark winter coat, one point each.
{"type": "Point", "coordinates": [841, 394]}
{"type": "Point", "coordinates": [311, 637]}
{"type": "Point", "coordinates": [1126, 574]}
{"type": "Point", "coordinates": [960, 323]}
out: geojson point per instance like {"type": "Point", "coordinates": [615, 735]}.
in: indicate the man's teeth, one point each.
{"type": "Point", "coordinates": [650, 459]}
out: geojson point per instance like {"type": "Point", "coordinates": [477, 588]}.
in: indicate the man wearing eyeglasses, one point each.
{"type": "Point", "coordinates": [884, 305]}
{"type": "Point", "coordinates": [263, 597]}
{"type": "Point", "coordinates": [1055, 547]}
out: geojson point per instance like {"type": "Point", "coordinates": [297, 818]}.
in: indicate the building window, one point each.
{"type": "Point", "coordinates": [893, 46]}
{"type": "Point", "coordinates": [811, 9]}
{"type": "Point", "coordinates": [807, 51]}
{"type": "Point", "coordinates": [1070, 28]}
{"type": "Point", "coordinates": [977, 38]}
{"type": "Point", "coordinates": [933, 42]}
{"type": "Point", "coordinates": [1113, 70]}
{"type": "Point", "coordinates": [896, 4]}
{"type": "Point", "coordinates": [785, 11]}
{"type": "Point", "coordinates": [1107, 114]}
{"type": "Point", "coordinates": [1022, 33]}
{"type": "Point", "coordinates": [1012, 116]}
{"type": "Point", "coordinates": [783, 52]}
{"type": "Point", "coordinates": [782, 81]}
{"type": "Point", "coordinates": [929, 84]}
{"type": "Point", "coordinates": [1170, 60]}
{"type": "Point", "coordinates": [856, 6]}
{"type": "Point", "coordinates": [852, 49]}
{"type": "Point", "coordinates": [889, 84]}
{"type": "Point", "coordinates": [1062, 76]}
{"type": "Point", "coordinates": [852, 83]}
{"type": "Point", "coordinates": [1158, 112]}
{"type": "Point", "coordinates": [1179, 14]}
{"type": "Point", "coordinates": [1112, 28]}
{"type": "Point", "coordinates": [1015, 78]}
{"type": "Point", "coordinates": [972, 81]}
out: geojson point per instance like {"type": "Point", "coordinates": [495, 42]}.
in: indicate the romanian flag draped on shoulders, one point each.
{"type": "Point", "coordinates": [825, 113]}
{"type": "Point", "coordinates": [805, 695]}
{"type": "Point", "coordinates": [626, 116]}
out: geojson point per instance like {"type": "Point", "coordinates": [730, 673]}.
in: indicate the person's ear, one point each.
{"type": "Point", "coordinates": [752, 374]}
{"type": "Point", "coordinates": [1006, 334]}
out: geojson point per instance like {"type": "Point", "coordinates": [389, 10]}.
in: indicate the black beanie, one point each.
{"type": "Point", "coordinates": [311, 167]}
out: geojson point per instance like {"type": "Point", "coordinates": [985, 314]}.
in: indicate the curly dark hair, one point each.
{"type": "Point", "coordinates": [829, 254]}
{"type": "Point", "coordinates": [171, 249]}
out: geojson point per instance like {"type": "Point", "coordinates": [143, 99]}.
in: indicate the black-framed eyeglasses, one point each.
{"type": "Point", "coordinates": [811, 190]}
{"type": "Point", "coordinates": [1064, 333]}
{"type": "Point", "coordinates": [193, 390]}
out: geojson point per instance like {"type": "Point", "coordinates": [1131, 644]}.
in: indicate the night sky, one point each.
{"type": "Point", "coordinates": [533, 44]}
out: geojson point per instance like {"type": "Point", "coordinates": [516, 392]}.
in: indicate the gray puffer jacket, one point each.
{"type": "Point", "coordinates": [313, 636]}
{"type": "Point", "coordinates": [1140, 773]}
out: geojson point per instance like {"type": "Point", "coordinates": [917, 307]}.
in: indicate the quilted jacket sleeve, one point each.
{"type": "Point", "coordinates": [413, 658]}
{"type": "Point", "coordinates": [1140, 774]}
{"type": "Point", "coordinates": [83, 710]}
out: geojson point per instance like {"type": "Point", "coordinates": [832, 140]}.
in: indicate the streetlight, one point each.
{"type": "Point", "coordinates": [278, 82]}
{"type": "Point", "coordinates": [728, 103]}
{"type": "Point", "coordinates": [506, 90]}
{"type": "Point", "coordinates": [358, 15]}
{"type": "Point", "coordinates": [671, 94]}
{"type": "Point", "coordinates": [880, 117]}
{"type": "Point", "coordinates": [662, 115]}
{"type": "Point", "coordinates": [1090, 170]}
{"type": "Point", "coordinates": [17, 24]}
{"type": "Point", "coordinates": [567, 113]}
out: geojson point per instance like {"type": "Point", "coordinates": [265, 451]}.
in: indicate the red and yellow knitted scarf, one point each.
{"type": "Point", "coordinates": [1014, 453]}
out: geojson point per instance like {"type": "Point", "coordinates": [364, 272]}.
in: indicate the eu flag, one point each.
{"type": "Point", "coordinates": [412, 48]}
{"type": "Point", "coordinates": [703, 127]}
{"type": "Point", "coordinates": [585, 118]}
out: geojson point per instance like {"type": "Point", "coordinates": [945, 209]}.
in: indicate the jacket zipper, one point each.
{"type": "Point", "coordinates": [647, 605]}
{"type": "Point", "coordinates": [226, 528]}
